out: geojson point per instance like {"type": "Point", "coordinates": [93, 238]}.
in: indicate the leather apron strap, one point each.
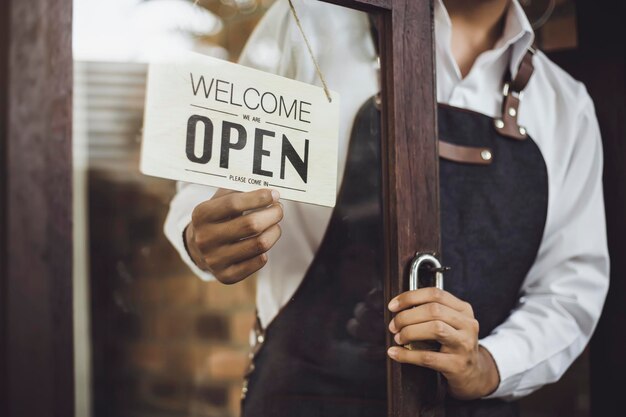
{"type": "Point", "coordinates": [512, 91]}
{"type": "Point", "coordinates": [506, 125]}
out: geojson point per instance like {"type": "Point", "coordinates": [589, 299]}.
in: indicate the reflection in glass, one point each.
{"type": "Point", "coordinates": [151, 338]}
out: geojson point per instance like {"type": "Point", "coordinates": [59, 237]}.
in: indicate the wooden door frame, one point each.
{"type": "Point", "coordinates": [36, 339]}
{"type": "Point", "coordinates": [4, 69]}
{"type": "Point", "coordinates": [410, 171]}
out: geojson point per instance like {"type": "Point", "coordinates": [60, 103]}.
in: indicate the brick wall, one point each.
{"type": "Point", "coordinates": [165, 343]}
{"type": "Point", "coordinates": [193, 345]}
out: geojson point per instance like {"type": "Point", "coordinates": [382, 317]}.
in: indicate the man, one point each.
{"type": "Point", "coordinates": [522, 225]}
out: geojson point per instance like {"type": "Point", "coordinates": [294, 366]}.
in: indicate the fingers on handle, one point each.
{"type": "Point", "coordinates": [433, 330]}
{"type": "Point", "coordinates": [429, 312]}
{"type": "Point", "coordinates": [410, 299]}
{"type": "Point", "coordinates": [441, 362]}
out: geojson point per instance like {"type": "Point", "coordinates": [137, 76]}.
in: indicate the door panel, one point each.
{"type": "Point", "coordinates": [36, 245]}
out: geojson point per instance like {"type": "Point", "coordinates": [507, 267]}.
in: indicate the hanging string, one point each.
{"type": "Point", "coordinates": [308, 45]}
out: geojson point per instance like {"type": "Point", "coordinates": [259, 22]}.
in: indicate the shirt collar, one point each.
{"type": "Point", "coordinates": [518, 33]}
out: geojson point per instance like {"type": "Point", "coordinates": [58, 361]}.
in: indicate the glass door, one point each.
{"type": "Point", "coordinates": [156, 338]}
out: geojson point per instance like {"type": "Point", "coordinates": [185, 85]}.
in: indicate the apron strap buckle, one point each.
{"type": "Point", "coordinates": [512, 92]}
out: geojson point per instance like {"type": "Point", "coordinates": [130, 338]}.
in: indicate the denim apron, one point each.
{"type": "Point", "coordinates": [323, 355]}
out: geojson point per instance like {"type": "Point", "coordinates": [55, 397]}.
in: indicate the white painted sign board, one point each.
{"type": "Point", "coordinates": [212, 122]}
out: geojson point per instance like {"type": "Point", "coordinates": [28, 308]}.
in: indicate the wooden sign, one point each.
{"type": "Point", "coordinates": [212, 122]}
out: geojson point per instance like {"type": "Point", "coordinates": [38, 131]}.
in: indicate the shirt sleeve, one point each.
{"type": "Point", "coordinates": [265, 50]}
{"type": "Point", "coordinates": [563, 294]}
{"type": "Point", "coordinates": [187, 197]}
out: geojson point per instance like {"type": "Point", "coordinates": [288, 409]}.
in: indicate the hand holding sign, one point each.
{"type": "Point", "coordinates": [230, 234]}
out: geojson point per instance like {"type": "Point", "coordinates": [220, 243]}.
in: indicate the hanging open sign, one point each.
{"type": "Point", "coordinates": [217, 123]}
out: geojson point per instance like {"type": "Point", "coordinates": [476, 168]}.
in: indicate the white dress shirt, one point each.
{"type": "Point", "coordinates": [563, 294]}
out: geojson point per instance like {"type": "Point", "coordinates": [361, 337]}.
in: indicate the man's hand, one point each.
{"type": "Point", "coordinates": [434, 314]}
{"type": "Point", "coordinates": [230, 234]}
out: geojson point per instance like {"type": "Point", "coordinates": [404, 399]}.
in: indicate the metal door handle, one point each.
{"type": "Point", "coordinates": [420, 260]}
